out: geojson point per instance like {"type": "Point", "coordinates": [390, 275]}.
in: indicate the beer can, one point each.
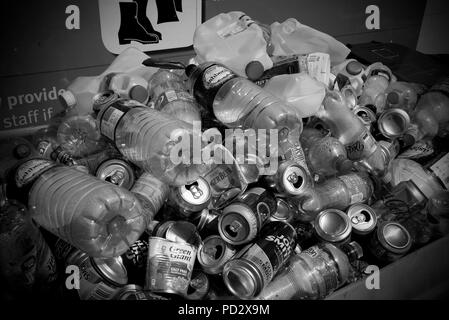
{"type": "Point", "coordinates": [247, 274]}
{"type": "Point", "coordinates": [183, 232]}
{"type": "Point", "coordinates": [393, 123]}
{"type": "Point", "coordinates": [241, 221]}
{"type": "Point", "coordinates": [363, 218]}
{"type": "Point", "coordinates": [390, 242]}
{"type": "Point", "coordinates": [284, 211]}
{"type": "Point", "coordinates": [291, 179]}
{"type": "Point", "coordinates": [214, 253]}
{"type": "Point", "coordinates": [366, 115]}
{"type": "Point", "coordinates": [169, 266]}
{"type": "Point", "coordinates": [333, 226]}
{"type": "Point", "coordinates": [198, 286]}
{"type": "Point", "coordinates": [135, 292]}
{"type": "Point", "coordinates": [116, 171]}
{"type": "Point", "coordinates": [191, 198]}
{"type": "Point", "coordinates": [100, 279]}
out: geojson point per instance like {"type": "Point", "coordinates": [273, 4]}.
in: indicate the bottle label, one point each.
{"type": "Point", "coordinates": [30, 170]}
{"type": "Point", "coordinates": [112, 116]}
{"type": "Point", "coordinates": [236, 27]}
{"type": "Point", "coordinates": [258, 256]}
{"type": "Point", "coordinates": [354, 184]}
{"type": "Point", "coordinates": [362, 147]}
{"type": "Point", "coordinates": [171, 95]}
{"type": "Point", "coordinates": [419, 150]}
{"type": "Point", "coordinates": [441, 169]}
{"type": "Point", "coordinates": [215, 76]}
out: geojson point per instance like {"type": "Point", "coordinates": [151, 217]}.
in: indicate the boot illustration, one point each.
{"type": "Point", "coordinates": [178, 5]}
{"type": "Point", "coordinates": [166, 11]}
{"type": "Point", "coordinates": [130, 29]}
{"type": "Point", "coordinates": [143, 20]}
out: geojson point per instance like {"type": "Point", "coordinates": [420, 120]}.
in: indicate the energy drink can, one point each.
{"type": "Point", "coordinates": [291, 179]}
{"type": "Point", "coordinates": [116, 171]}
{"type": "Point", "coordinates": [247, 274]}
{"type": "Point", "coordinates": [242, 220]}
{"type": "Point", "coordinates": [333, 226]}
{"type": "Point", "coordinates": [100, 279]}
{"type": "Point", "coordinates": [214, 253]}
{"type": "Point", "coordinates": [363, 219]}
{"type": "Point", "coordinates": [191, 198]}
{"type": "Point", "coordinates": [169, 266]}
{"type": "Point", "coordinates": [198, 286]}
{"type": "Point", "coordinates": [390, 242]}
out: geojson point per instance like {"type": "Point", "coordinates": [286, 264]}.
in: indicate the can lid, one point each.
{"type": "Point", "coordinates": [112, 269]}
{"type": "Point", "coordinates": [365, 114]}
{"type": "Point", "coordinates": [198, 286]}
{"type": "Point", "coordinates": [116, 171]}
{"type": "Point", "coordinates": [196, 193]}
{"type": "Point", "coordinates": [363, 218]}
{"type": "Point", "coordinates": [161, 229]}
{"type": "Point", "coordinates": [213, 254]}
{"type": "Point", "coordinates": [354, 68]}
{"type": "Point", "coordinates": [237, 224]}
{"type": "Point", "coordinates": [332, 225]}
{"type": "Point", "coordinates": [394, 237]}
{"type": "Point", "coordinates": [67, 98]}
{"type": "Point", "coordinates": [242, 278]}
{"type": "Point", "coordinates": [393, 122]}
{"type": "Point", "coordinates": [138, 93]}
{"type": "Point", "coordinates": [284, 211]}
{"type": "Point", "coordinates": [294, 179]}
{"type": "Point", "coordinates": [183, 231]}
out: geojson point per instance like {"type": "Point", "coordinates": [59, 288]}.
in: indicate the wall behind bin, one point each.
{"type": "Point", "coordinates": [39, 55]}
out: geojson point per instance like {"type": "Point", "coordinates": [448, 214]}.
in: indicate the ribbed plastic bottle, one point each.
{"type": "Point", "coordinates": [99, 218]}
{"type": "Point", "coordinates": [314, 273]}
{"type": "Point", "coordinates": [339, 193]}
{"type": "Point", "coordinates": [326, 155]}
{"type": "Point", "coordinates": [238, 102]}
{"type": "Point", "coordinates": [152, 140]}
{"type": "Point", "coordinates": [169, 95]}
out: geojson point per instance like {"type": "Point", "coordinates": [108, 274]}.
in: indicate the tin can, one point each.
{"type": "Point", "coordinates": [214, 253]}
{"type": "Point", "coordinates": [363, 219]}
{"type": "Point", "coordinates": [241, 221]}
{"type": "Point", "coordinates": [161, 228]}
{"type": "Point", "coordinates": [183, 232]}
{"type": "Point", "coordinates": [169, 266]}
{"type": "Point", "coordinates": [135, 292]}
{"type": "Point", "coordinates": [333, 226]}
{"type": "Point", "coordinates": [290, 179]}
{"type": "Point", "coordinates": [100, 279]}
{"type": "Point", "coordinates": [393, 123]}
{"type": "Point", "coordinates": [198, 286]}
{"type": "Point", "coordinates": [191, 198]}
{"type": "Point", "coordinates": [305, 235]}
{"type": "Point", "coordinates": [207, 221]}
{"type": "Point", "coordinates": [285, 212]}
{"type": "Point", "coordinates": [247, 274]}
{"type": "Point", "coordinates": [366, 115]}
{"type": "Point", "coordinates": [116, 171]}
{"type": "Point", "coordinates": [390, 242]}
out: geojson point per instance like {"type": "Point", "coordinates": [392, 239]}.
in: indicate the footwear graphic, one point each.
{"type": "Point", "coordinates": [178, 5]}
{"type": "Point", "coordinates": [143, 20]}
{"type": "Point", "coordinates": [166, 11]}
{"type": "Point", "coordinates": [130, 28]}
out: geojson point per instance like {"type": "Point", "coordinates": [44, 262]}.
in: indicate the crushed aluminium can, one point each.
{"type": "Point", "coordinates": [214, 253]}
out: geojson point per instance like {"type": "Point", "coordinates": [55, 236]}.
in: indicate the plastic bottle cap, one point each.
{"type": "Point", "coordinates": [22, 151]}
{"type": "Point", "coordinates": [138, 93]}
{"type": "Point", "coordinates": [254, 70]}
{"type": "Point", "coordinates": [354, 68]}
{"type": "Point", "coordinates": [189, 69]}
{"type": "Point", "coordinates": [68, 98]}
{"type": "Point", "coordinates": [393, 97]}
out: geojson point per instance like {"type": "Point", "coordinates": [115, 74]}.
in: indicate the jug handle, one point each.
{"type": "Point", "coordinates": [150, 62]}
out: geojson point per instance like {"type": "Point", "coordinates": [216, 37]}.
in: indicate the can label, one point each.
{"type": "Point", "coordinates": [92, 286]}
{"type": "Point", "coordinates": [441, 169]}
{"type": "Point", "coordinates": [260, 202]}
{"type": "Point", "coordinates": [258, 256]}
{"type": "Point", "coordinates": [328, 274]}
{"type": "Point", "coordinates": [363, 147]}
{"type": "Point", "coordinates": [111, 118]}
{"type": "Point", "coordinates": [355, 185]}
{"type": "Point", "coordinates": [30, 170]}
{"type": "Point", "coordinates": [170, 266]}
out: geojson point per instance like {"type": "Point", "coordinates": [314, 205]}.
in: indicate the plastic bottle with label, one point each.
{"type": "Point", "coordinates": [152, 140]}
{"type": "Point", "coordinates": [94, 216]}
{"type": "Point", "coordinates": [234, 40]}
{"type": "Point", "coordinates": [314, 273]}
{"type": "Point", "coordinates": [239, 103]}
{"type": "Point", "coordinates": [326, 155]}
{"type": "Point", "coordinates": [432, 111]}
{"type": "Point", "coordinates": [298, 90]}
{"type": "Point", "coordinates": [169, 95]}
{"type": "Point", "coordinates": [339, 193]}
{"type": "Point", "coordinates": [127, 86]}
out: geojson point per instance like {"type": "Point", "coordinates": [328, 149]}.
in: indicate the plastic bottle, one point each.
{"type": "Point", "coordinates": [353, 72]}
{"type": "Point", "coordinates": [169, 95]}
{"type": "Point", "coordinates": [314, 273]}
{"type": "Point", "coordinates": [350, 131]}
{"type": "Point", "coordinates": [339, 193]}
{"type": "Point", "coordinates": [298, 90]}
{"type": "Point", "coordinates": [127, 86]}
{"type": "Point", "coordinates": [326, 155]}
{"type": "Point", "coordinates": [374, 93]}
{"type": "Point", "coordinates": [27, 265]}
{"type": "Point", "coordinates": [401, 95]}
{"type": "Point", "coordinates": [152, 140]}
{"type": "Point", "coordinates": [235, 40]}
{"type": "Point", "coordinates": [97, 217]}
{"type": "Point", "coordinates": [432, 111]}
{"type": "Point", "coordinates": [239, 103]}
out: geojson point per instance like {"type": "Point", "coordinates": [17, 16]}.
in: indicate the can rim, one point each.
{"type": "Point", "coordinates": [248, 216]}
{"type": "Point", "coordinates": [245, 269]}
{"type": "Point", "coordinates": [359, 207]}
{"type": "Point", "coordinates": [391, 247]}
{"type": "Point", "coordinates": [341, 236]}
{"type": "Point", "coordinates": [398, 112]}
{"type": "Point", "coordinates": [188, 197]}
{"type": "Point", "coordinates": [287, 185]}
{"type": "Point", "coordinates": [109, 165]}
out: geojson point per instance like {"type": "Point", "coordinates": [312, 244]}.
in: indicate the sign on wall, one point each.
{"type": "Point", "coordinates": [148, 25]}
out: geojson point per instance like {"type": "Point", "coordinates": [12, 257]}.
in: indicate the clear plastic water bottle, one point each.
{"type": "Point", "coordinates": [374, 93]}
{"type": "Point", "coordinates": [94, 216]}
{"type": "Point", "coordinates": [152, 140]}
{"type": "Point", "coordinates": [401, 95]}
